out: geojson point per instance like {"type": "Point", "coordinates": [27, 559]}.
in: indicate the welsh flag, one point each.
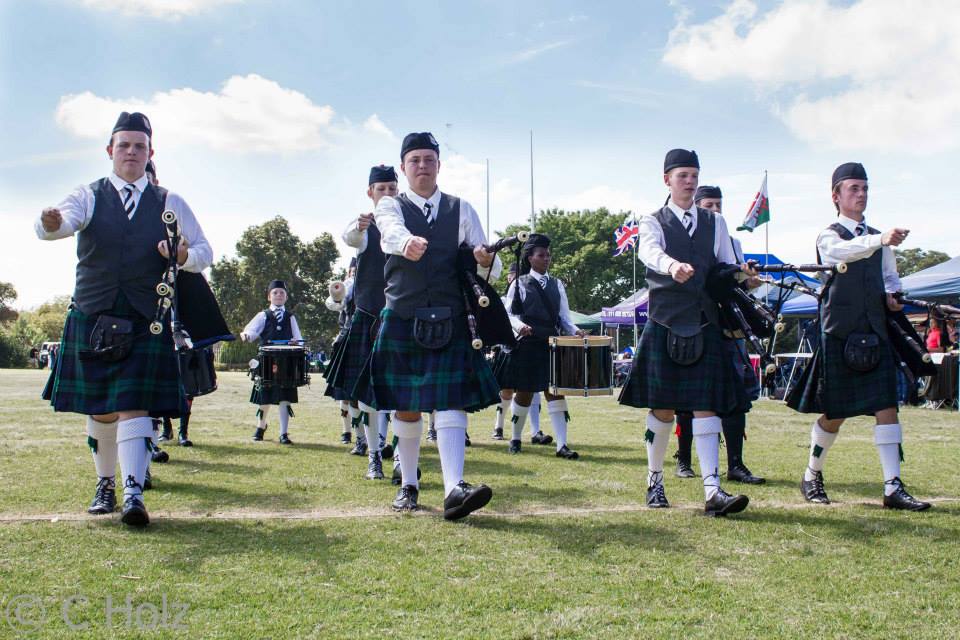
{"type": "Point", "coordinates": [760, 209]}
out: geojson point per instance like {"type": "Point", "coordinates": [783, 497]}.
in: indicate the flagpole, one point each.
{"type": "Point", "coordinates": [766, 251]}
{"type": "Point", "coordinates": [636, 245]}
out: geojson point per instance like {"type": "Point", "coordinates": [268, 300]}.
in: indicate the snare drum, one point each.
{"type": "Point", "coordinates": [197, 373]}
{"type": "Point", "coordinates": [581, 366]}
{"type": "Point", "coordinates": [283, 366]}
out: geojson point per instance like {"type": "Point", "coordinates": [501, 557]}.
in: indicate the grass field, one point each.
{"type": "Point", "coordinates": [263, 541]}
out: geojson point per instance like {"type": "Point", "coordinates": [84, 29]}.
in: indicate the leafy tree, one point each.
{"type": "Point", "coordinates": [913, 260]}
{"type": "Point", "coordinates": [272, 251]}
{"type": "Point", "coordinates": [47, 319]}
{"type": "Point", "coordinates": [581, 246]}
{"type": "Point", "coordinates": [8, 295]}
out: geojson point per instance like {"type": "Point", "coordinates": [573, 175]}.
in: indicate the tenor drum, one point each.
{"type": "Point", "coordinates": [581, 366]}
{"type": "Point", "coordinates": [283, 366]}
{"type": "Point", "coordinates": [197, 373]}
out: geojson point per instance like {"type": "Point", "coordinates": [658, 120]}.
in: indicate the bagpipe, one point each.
{"type": "Point", "coordinates": [195, 318]}
{"type": "Point", "coordinates": [741, 315]}
{"type": "Point", "coordinates": [944, 311]}
{"type": "Point", "coordinates": [487, 319]}
{"type": "Point", "coordinates": [840, 267]}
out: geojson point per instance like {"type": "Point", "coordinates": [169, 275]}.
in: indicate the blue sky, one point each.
{"type": "Point", "coordinates": [265, 108]}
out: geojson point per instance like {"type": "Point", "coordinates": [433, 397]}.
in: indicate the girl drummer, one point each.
{"type": "Point", "coordinates": [538, 308]}
{"type": "Point", "coordinates": [273, 325]}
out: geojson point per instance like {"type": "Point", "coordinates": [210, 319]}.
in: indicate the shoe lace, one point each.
{"type": "Point", "coordinates": [131, 483]}
{"type": "Point", "coordinates": [898, 486]}
{"type": "Point", "coordinates": [817, 481]}
{"type": "Point", "coordinates": [658, 491]}
{"type": "Point", "coordinates": [104, 487]}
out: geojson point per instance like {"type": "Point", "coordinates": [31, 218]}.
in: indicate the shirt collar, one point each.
{"type": "Point", "coordinates": [849, 223]}
{"type": "Point", "coordinates": [434, 200]}
{"type": "Point", "coordinates": [119, 183]}
{"type": "Point", "coordinates": [536, 274]}
{"type": "Point", "coordinates": [678, 211]}
{"type": "Point", "coordinates": [274, 308]}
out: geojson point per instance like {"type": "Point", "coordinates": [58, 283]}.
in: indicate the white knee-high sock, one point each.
{"type": "Point", "coordinates": [262, 416]}
{"type": "Point", "coordinates": [518, 419]}
{"type": "Point", "coordinates": [132, 438]}
{"type": "Point", "coordinates": [370, 432]}
{"type": "Point", "coordinates": [102, 438]}
{"type": "Point", "coordinates": [657, 437]}
{"type": "Point", "coordinates": [888, 438]}
{"type": "Point", "coordinates": [451, 443]}
{"type": "Point", "coordinates": [345, 416]}
{"type": "Point", "coordinates": [820, 443]}
{"type": "Point", "coordinates": [706, 435]}
{"type": "Point", "coordinates": [382, 421]}
{"type": "Point", "coordinates": [355, 421]}
{"type": "Point", "coordinates": [408, 447]}
{"type": "Point", "coordinates": [534, 415]}
{"type": "Point", "coordinates": [558, 418]}
{"type": "Point", "coordinates": [284, 411]}
{"type": "Point", "coordinates": [501, 411]}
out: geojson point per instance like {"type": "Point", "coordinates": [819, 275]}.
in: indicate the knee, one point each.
{"type": "Point", "coordinates": [663, 415]}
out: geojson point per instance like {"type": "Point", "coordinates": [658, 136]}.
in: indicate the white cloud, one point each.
{"type": "Point", "coordinates": [875, 74]}
{"type": "Point", "coordinates": [249, 114]}
{"type": "Point", "coordinates": [166, 9]}
{"type": "Point", "coordinates": [374, 124]}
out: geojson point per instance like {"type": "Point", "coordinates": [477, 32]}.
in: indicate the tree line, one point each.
{"type": "Point", "coordinates": [582, 245]}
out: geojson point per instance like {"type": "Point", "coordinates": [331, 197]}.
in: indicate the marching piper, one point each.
{"type": "Point", "coordinates": [422, 359]}
{"type": "Point", "coordinates": [735, 424]}
{"type": "Point", "coordinates": [112, 368]}
{"type": "Point", "coordinates": [538, 307]}
{"type": "Point", "coordinates": [273, 325]}
{"type": "Point", "coordinates": [369, 299]}
{"type": "Point", "coordinates": [854, 372]}
{"type": "Point", "coordinates": [681, 363]}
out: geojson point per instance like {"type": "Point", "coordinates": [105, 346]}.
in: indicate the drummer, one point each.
{"type": "Point", "coordinates": [506, 394]}
{"type": "Point", "coordinates": [850, 377]}
{"type": "Point", "coordinates": [273, 325]}
{"type": "Point", "coordinates": [538, 308]}
{"type": "Point", "coordinates": [734, 425]}
{"type": "Point", "coordinates": [681, 363]}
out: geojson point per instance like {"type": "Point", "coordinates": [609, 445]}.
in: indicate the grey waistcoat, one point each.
{"type": "Point", "coordinates": [854, 301]}
{"type": "Point", "coordinates": [433, 280]}
{"type": "Point", "coordinates": [680, 307]}
{"type": "Point", "coordinates": [117, 254]}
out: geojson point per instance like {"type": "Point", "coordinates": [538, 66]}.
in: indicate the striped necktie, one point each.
{"type": "Point", "coordinates": [861, 228]}
{"type": "Point", "coordinates": [543, 282]}
{"type": "Point", "coordinates": [128, 202]}
{"type": "Point", "coordinates": [279, 313]}
{"type": "Point", "coordinates": [427, 210]}
{"type": "Point", "coordinates": [688, 222]}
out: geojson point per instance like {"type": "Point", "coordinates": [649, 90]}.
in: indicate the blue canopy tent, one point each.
{"type": "Point", "coordinates": [939, 283]}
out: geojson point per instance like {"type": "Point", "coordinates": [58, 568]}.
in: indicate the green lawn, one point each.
{"type": "Point", "coordinates": [261, 541]}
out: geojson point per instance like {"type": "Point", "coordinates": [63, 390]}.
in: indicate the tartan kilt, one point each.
{"type": "Point", "coordinates": [830, 387]}
{"type": "Point", "coordinates": [356, 351]}
{"type": "Point", "coordinates": [146, 380]}
{"type": "Point", "coordinates": [407, 377]}
{"type": "Point", "coordinates": [330, 373]}
{"type": "Point", "coordinates": [526, 367]}
{"type": "Point", "coordinates": [273, 395]}
{"type": "Point", "coordinates": [710, 384]}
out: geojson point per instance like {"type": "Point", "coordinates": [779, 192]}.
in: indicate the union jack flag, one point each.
{"type": "Point", "coordinates": [626, 236]}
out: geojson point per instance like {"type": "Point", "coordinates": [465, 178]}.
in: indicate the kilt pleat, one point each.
{"type": "Point", "coordinates": [273, 395]}
{"type": "Point", "coordinates": [407, 377]}
{"type": "Point", "coordinates": [147, 379]}
{"type": "Point", "coordinates": [526, 367]}
{"type": "Point", "coordinates": [657, 382]}
{"type": "Point", "coordinates": [356, 351]}
{"type": "Point", "coordinates": [330, 373]}
{"type": "Point", "coordinates": [830, 387]}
